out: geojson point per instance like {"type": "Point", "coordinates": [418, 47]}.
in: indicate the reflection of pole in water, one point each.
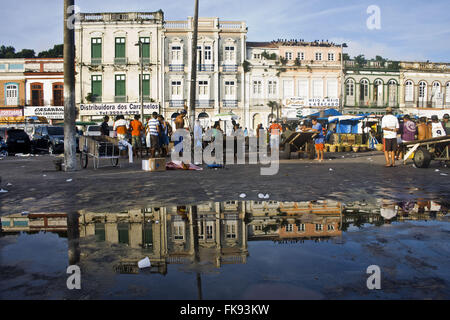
{"type": "Point", "coordinates": [194, 222]}
{"type": "Point", "coordinates": [73, 238]}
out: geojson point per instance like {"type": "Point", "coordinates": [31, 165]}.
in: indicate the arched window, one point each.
{"type": "Point", "coordinates": [364, 89]}
{"type": "Point", "coordinates": [350, 87]}
{"type": "Point", "coordinates": [447, 92]}
{"type": "Point", "coordinates": [378, 90]}
{"type": "Point", "coordinates": [422, 90]}
{"type": "Point", "coordinates": [392, 92]}
{"type": "Point", "coordinates": [409, 91]}
{"type": "Point", "coordinates": [436, 88]}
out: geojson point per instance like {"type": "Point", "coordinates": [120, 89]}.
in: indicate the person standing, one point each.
{"type": "Point", "coordinates": [390, 127]}
{"type": "Point", "coordinates": [164, 135]}
{"type": "Point", "coordinates": [153, 133]}
{"type": "Point", "coordinates": [446, 124]}
{"type": "Point", "coordinates": [275, 131]}
{"type": "Point", "coordinates": [408, 131]}
{"type": "Point", "coordinates": [319, 139]}
{"type": "Point", "coordinates": [437, 130]}
{"type": "Point", "coordinates": [136, 129]}
{"type": "Point", "coordinates": [423, 130]}
{"type": "Point", "coordinates": [121, 127]}
{"type": "Point", "coordinates": [104, 128]}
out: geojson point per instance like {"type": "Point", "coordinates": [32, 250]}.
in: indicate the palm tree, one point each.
{"type": "Point", "coordinates": [272, 105]}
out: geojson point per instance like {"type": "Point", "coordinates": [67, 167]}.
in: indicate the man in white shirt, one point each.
{"type": "Point", "coordinates": [390, 126]}
{"type": "Point", "coordinates": [437, 130]}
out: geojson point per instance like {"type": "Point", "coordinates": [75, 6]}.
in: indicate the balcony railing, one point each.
{"type": "Point", "coordinates": [37, 103]}
{"type": "Point", "coordinates": [205, 67]}
{"type": "Point", "coordinates": [230, 103]}
{"type": "Point", "coordinates": [230, 68]}
{"type": "Point", "coordinates": [176, 67]}
{"type": "Point", "coordinates": [121, 16]}
{"type": "Point", "coordinates": [176, 103]}
{"type": "Point", "coordinates": [120, 61]}
{"type": "Point", "coordinates": [120, 99]}
{"type": "Point", "coordinates": [176, 25]}
{"type": "Point", "coordinates": [145, 61]}
{"type": "Point", "coordinates": [96, 61]}
{"type": "Point", "coordinates": [204, 103]}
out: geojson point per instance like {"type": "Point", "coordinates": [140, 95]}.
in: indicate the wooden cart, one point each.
{"type": "Point", "coordinates": [99, 148]}
{"type": "Point", "coordinates": [436, 149]}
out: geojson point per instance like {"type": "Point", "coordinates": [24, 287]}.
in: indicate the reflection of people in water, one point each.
{"type": "Point", "coordinates": [422, 204]}
{"type": "Point", "coordinates": [388, 211]}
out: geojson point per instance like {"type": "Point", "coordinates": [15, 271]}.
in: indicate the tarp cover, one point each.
{"type": "Point", "coordinates": [326, 113]}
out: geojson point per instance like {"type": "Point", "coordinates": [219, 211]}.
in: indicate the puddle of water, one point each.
{"type": "Point", "coordinates": [231, 250]}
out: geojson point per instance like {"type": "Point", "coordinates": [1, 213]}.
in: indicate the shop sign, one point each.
{"type": "Point", "coordinates": [115, 109]}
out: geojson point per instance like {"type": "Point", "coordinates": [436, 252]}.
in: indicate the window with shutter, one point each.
{"type": "Point", "coordinates": [120, 47]}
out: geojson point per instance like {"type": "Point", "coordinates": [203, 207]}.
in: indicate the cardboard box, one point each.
{"type": "Point", "coordinates": [154, 165]}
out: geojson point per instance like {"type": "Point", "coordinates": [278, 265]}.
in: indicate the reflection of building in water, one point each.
{"type": "Point", "coordinates": [165, 235]}
{"type": "Point", "coordinates": [55, 222]}
{"type": "Point", "coordinates": [280, 221]}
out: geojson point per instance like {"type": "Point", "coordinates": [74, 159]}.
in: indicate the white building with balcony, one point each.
{"type": "Point", "coordinates": [109, 48]}
{"type": "Point", "coordinates": [220, 76]}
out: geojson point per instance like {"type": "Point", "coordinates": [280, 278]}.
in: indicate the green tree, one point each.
{"type": "Point", "coordinates": [56, 52]}
{"type": "Point", "coordinates": [360, 60]}
{"type": "Point", "coordinates": [7, 52]}
{"type": "Point", "coordinates": [246, 65]}
{"type": "Point", "coordinates": [26, 53]}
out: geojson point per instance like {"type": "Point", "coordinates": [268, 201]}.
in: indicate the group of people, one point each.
{"type": "Point", "coordinates": [155, 134]}
{"type": "Point", "coordinates": [396, 134]}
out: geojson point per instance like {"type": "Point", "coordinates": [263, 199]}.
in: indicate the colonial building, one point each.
{"type": "Point", "coordinates": [298, 77]}
{"type": "Point", "coordinates": [12, 87]}
{"type": "Point", "coordinates": [220, 75]}
{"type": "Point", "coordinates": [371, 86]}
{"type": "Point", "coordinates": [110, 48]}
{"type": "Point", "coordinates": [262, 84]}
{"type": "Point", "coordinates": [44, 82]}
{"type": "Point", "coordinates": [425, 87]}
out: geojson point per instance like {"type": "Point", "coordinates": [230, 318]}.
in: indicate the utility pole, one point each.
{"type": "Point", "coordinates": [70, 159]}
{"type": "Point", "coordinates": [194, 68]}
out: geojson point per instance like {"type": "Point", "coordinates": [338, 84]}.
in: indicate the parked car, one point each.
{"type": "Point", "coordinates": [17, 140]}
{"type": "Point", "coordinates": [94, 131]}
{"type": "Point", "coordinates": [48, 139]}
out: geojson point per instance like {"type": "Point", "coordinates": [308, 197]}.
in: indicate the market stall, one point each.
{"type": "Point", "coordinates": [347, 134]}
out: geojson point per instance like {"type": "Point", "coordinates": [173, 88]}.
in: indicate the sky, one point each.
{"type": "Point", "coordinates": [414, 30]}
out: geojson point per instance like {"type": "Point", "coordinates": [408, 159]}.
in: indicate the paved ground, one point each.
{"type": "Point", "coordinates": [35, 186]}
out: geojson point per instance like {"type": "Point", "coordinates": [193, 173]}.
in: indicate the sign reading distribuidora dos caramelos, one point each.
{"type": "Point", "coordinates": [113, 109]}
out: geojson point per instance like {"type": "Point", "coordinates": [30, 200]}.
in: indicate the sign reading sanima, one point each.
{"type": "Point", "coordinates": [50, 112]}
{"type": "Point", "coordinates": [115, 109]}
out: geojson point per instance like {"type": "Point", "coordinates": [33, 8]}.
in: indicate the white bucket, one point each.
{"type": "Point", "coordinates": [146, 165]}
{"type": "Point", "coordinates": [145, 263]}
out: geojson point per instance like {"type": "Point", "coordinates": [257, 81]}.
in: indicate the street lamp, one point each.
{"type": "Point", "coordinates": [139, 44]}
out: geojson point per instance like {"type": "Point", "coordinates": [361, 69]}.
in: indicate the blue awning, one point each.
{"type": "Point", "coordinates": [326, 113]}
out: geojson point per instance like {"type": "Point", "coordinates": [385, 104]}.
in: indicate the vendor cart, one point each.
{"type": "Point", "coordinates": [99, 148]}
{"type": "Point", "coordinates": [426, 150]}
{"type": "Point", "coordinates": [298, 141]}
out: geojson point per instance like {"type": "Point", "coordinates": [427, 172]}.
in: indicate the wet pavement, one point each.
{"type": "Point", "coordinates": [232, 250]}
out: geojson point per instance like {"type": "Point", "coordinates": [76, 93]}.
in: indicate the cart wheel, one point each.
{"type": "Point", "coordinates": [84, 160]}
{"type": "Point", "coordinates": [114, 162]}
{"type": "Point", "coordinates": [422, 158]}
